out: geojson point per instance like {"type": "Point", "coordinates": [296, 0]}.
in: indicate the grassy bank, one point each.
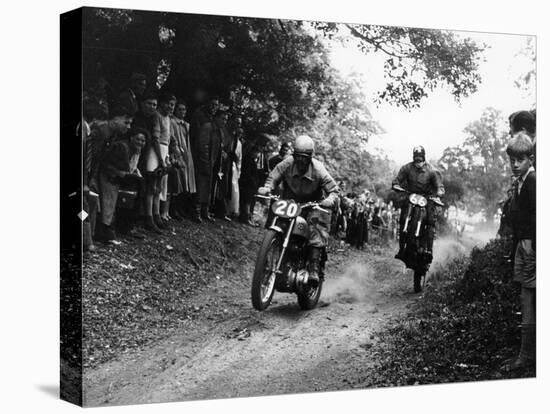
{"type": "Point", "coordinates": [462, 329]}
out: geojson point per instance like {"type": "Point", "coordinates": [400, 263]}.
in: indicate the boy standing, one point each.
{"type": "Point", "coordinates": [523, 219]}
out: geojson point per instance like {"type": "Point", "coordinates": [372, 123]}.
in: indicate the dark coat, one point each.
{"type": "Point", "coordinates": [524, 210]}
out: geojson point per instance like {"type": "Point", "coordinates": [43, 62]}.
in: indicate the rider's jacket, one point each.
{"type": "Point", "coordinates": [303, 188]}
{"type": "Point", "coordinates": [424, 180]}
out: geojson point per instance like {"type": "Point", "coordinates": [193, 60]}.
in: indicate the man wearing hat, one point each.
{"type": "Point", "coordinates": [306, 179]}
{"type": "Point", "coordinates": [422, 178]}
{"type": "Point", "coordinates": [130, 97]}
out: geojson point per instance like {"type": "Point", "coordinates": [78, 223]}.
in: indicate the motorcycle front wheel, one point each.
{"type": "Point", "coordinates": [263, 281]}
{"type": "Point", "coordinates": [310, 296]}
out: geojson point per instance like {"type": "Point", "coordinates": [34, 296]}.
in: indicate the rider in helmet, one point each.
{"type": "Point", "coordinates": [306, 179]}
{"type": "Point", "coordinates": [422, 178]}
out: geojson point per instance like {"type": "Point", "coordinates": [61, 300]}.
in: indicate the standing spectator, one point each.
{"type": "Point", "coordinates": [201, 116]}
{"type": "Point", "coordinates": [525, 121]}
{"type": "Point", "coordinates": [151, 160]}
{"type": "Point", "coordinates": [90, 198]}
{"type": "Point", "coordinates": [237, 155]}
{"type": "Point", "coordinates": [523, 219]}
{"type": "Point", "coordinates": [208, 163]}
{"type": "Point", "coordinates": [254, 171]}
{"type": "Point", "coordinates": [167, 104]}
{"type": "Point", "coordinates": [120, 162]}
{"type": "Point", "coordinates": [181, 181]}
{"type": "Point", "coordinates": [131, 96]}
{"type": "Point", "coordinates": [221, 191]}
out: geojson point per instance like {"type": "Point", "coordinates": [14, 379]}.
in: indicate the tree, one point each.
{"type": "Point", "coordinates": [273, 73]}
{"type": "Point", "coordinates": [342, 129]}
{"type": "Point", "coordinates": [276, 74]}
{"type": "Point", "coordinates": [480, 163]}
{"type": "Point", "coordinates": [528, 79]}
{"type": "Point", "coordinates": [280, 65]}
{"type": "Point", "coordinates": [418, 60]}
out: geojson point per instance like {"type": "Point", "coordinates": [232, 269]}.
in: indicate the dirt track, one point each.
{"type": "Point", "coordinates": [281, 350]}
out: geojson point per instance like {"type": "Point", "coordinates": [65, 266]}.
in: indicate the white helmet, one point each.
{"type": "Point", "coordinates": [304, 146]}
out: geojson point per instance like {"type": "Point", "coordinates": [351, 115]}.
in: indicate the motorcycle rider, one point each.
{"type": "Point", "coordinates": [304, 179]}
{"type": "Point", "coordinates": [421, 178]}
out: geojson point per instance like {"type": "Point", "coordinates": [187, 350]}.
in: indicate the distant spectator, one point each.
{"type": "Point", "coordinates": [120, 162]}
{"type": "Point", "coordinates": [523, 220]}
{"type": "Point", "coordinates": [130, 97]}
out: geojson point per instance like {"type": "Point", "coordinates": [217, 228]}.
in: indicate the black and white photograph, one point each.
{"type": "Point", "coordinates": [279, 206]}
{"type": "Point", "coordinates": [262, 206]}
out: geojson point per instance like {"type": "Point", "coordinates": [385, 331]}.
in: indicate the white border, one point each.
{"type": "Point", "coordinates": [29, 212]}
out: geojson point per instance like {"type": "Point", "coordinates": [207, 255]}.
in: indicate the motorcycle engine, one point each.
{"type": "Point", "coordinates": [302, 277]}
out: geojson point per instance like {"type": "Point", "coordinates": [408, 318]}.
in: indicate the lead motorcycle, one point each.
{"type": "Point", "coordinates": [282, 263]}
{"type": "Point", "coordinates": [415, 232]}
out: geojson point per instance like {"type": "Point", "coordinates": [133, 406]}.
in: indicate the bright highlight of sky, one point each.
{"type": "Point", "coordinates": [440, 120]}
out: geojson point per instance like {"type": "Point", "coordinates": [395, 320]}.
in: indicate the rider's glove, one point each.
{"type": "Point", "coordinates": [264, 190]}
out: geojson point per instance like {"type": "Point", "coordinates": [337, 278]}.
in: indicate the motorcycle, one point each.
{"type": "Point", "coordinates": [281, 264]}
{"type": "Point", "coordinates": [414, 230]}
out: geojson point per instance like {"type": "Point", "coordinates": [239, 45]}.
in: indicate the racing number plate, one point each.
{"type": "Point", "coordinates": [285, 208]}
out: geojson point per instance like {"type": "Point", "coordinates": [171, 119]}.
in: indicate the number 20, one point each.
{"type": "Point", "coordinates": [280, 210]}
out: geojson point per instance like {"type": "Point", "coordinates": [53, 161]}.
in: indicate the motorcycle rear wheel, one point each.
{"type": "Point", "coordinates": [310, 296]}
{"type": "Point", "coordinates": [263, 280]}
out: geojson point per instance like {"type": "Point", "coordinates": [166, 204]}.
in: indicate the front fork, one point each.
{"type": "Point", "coordinates": [285, 242]}
{"type": "Point", "coordinates": [419, 216]}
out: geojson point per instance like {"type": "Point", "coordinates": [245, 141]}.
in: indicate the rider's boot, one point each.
{"type": "Point", "coordinates": [399, 254]}
{"type": "Point", "coordinates": [314, 265]}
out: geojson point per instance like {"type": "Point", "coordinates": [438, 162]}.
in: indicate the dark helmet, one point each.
{"type": "Point", "coordinates": [419, 151]}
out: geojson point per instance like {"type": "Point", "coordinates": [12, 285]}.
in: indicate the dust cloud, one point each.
{"type": "Point", "coordinates": [450, 247]}
{"type": "Point", "coordinates": [361, 282]}
{"type": "Point", "coordinates": [355, 285]}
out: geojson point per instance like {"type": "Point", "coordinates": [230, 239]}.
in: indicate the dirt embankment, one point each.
{"type": "Point", "coordinates": [146, 289]}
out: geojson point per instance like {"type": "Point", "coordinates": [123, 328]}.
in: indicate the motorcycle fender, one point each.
{"type": "Point", "coordinates": [275, 227]}
{"type": "Point", "coordinates": [301, 228]}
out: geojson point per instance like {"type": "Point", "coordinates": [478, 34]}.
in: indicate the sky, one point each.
{"type": "Point", "coordinates": [440, 120]}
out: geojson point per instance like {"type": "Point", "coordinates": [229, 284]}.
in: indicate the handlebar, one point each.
{"type": "Point", "coordinates": [314, 206]}
{"type": "Point", "coordinates": [267, 197]}
{"type": "Point", "coordinates": [435, 199]}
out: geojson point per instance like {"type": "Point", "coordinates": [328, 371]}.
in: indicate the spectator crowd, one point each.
{"type": "Point", "coordinates": [150, 160]}
{"type": "Point", "coordinates": [359, 216]}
